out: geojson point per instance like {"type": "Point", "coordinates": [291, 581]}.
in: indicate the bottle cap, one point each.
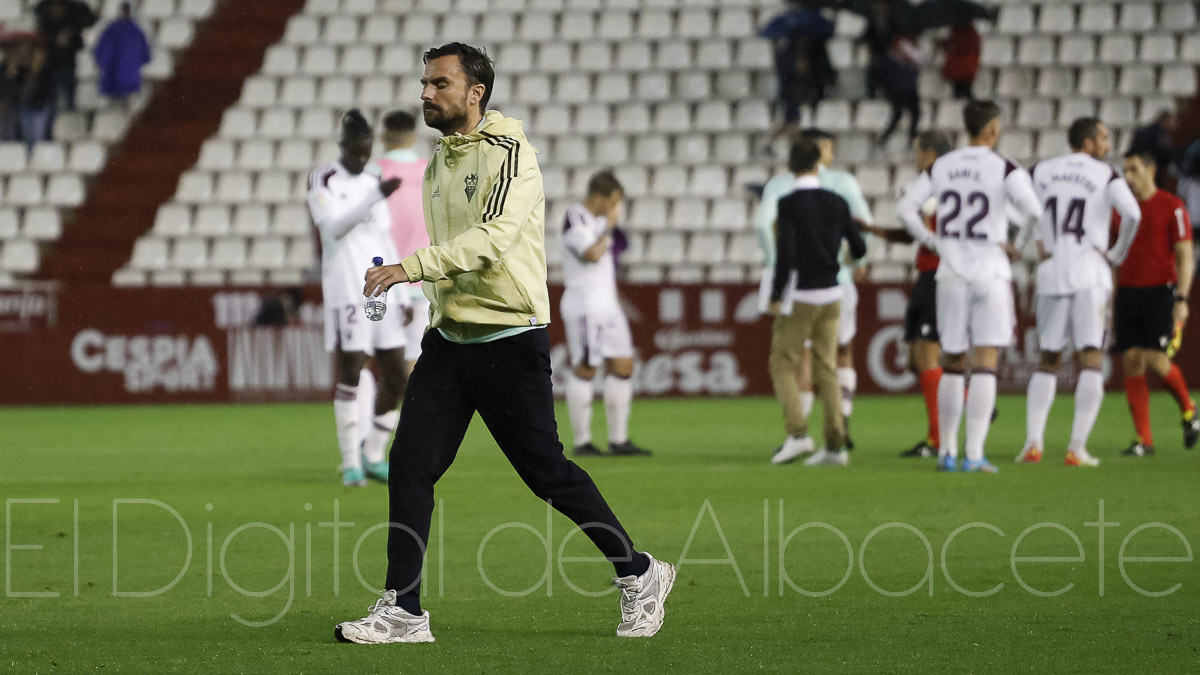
{"type": "Point", "coordinates": [377, 261]}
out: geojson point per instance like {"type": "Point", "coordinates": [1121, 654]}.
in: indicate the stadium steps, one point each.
{"type": "Point", "coordinates": [166, 140]}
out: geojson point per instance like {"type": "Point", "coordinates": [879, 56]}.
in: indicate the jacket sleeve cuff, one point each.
{"type": "Point", "coordinates": [413, 268]}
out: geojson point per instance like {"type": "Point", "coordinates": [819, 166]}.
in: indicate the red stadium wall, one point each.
{"type": "Point", "coordinates": [94, 344]}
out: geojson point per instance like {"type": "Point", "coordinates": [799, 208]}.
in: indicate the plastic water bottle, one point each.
{"type": "Point", "coordinates": [377, 304]}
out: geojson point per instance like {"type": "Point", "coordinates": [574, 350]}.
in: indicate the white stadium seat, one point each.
{"type": "Point", "coordinates": [42, 223]}
{"type": "Point", "coordinates": [13, 157]}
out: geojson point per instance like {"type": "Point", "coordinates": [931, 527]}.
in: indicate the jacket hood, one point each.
{"type": "Point", "coordinates": [494, 124]}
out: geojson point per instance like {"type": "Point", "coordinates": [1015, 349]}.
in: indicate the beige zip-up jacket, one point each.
{"type": "Point", "coordinates": [485, 270]}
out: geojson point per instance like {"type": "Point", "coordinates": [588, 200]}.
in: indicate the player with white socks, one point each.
{"type": "Point", "coordinates": [596, 327]}
{"type": "Point", "coordinates": [406, 225]}
{"type": "Point", "coordinates": [973, 186]}
{"type": "Point", "coordinates": [347, 206]}
{"type": "Point", "coordinates": [1074, 279]}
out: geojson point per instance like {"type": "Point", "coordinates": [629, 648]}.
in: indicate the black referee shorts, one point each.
{"type": "Point", "coordinates": [1143, 318]}
{"type": "Point", "coordinates": [920, 319]}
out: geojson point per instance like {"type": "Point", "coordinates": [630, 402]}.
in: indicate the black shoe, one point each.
{"type": "Point", "coordinates": [849, 441]}
{"type": "Point", "coordinates": [1191, 432]}
{"type": "Point", "coordinates": [627, 449]}
{"type": "Point", "coordinates": [1138, 449]}
{"type": "Point", "coordinates": [588, 450]}
{"type": "Point", "coordinates": [921, 449]}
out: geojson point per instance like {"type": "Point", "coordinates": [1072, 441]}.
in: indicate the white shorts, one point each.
{"type": "Point", "coordinates": [414, 332]}
{"type": "Point", "coordinates": [1082, 315]}
{"type": "Point", "coordinates": [594, 336]}
{"type": "Point", "coordinates": [848, 320]}
{"type": "Point", "coordinates": [975, 314]}
{"type": "Point", "coordinates": [348, 329]}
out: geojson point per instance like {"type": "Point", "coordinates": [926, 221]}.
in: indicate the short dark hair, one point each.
{"type": "Point", "coordinates": [399, 122]}
{"type": "Point", "coordinates": [475, 63]}
{"type": "Point", "coordinates": [934, 141]}
{"type": "Point", "coordinates": [1146, 155]}
{"type": "Point", "coordinates": [604, 184]}
{"type": "Point", "coordinates": [816, 134]}
{"type": "Point", "coordinates": [355, 126]}
{"type": "Point", "coordinates": [1081, 130]}
{"type": "Point", "coordinates": [804, 156]}
{"type": "Point", "coordinates": [978, 114]}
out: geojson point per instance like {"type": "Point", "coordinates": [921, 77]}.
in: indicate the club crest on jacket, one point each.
{"type": "Point", "coordinates": [472, 180]}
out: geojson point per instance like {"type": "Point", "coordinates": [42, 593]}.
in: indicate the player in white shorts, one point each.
{"type": "Point", "coordinates": [596, 327]}
{"type": "Point", "coordinates": [1074, 279]}
{"type": "Point", "coordinates": [973, 187]}
{"type": "Point", "coordinates": [349, 211]}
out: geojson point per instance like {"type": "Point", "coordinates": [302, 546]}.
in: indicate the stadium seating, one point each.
{"type": "Point", "coordinates": [40, 191]}
{"type": "Point", "coordinates": [676, 94]}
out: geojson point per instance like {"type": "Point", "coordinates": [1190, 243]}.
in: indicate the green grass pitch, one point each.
{"type": "Point", "coordinates": [268, 473]}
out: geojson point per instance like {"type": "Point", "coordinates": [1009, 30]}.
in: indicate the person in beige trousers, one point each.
{"type": "Point", "coordinates": [805, 299]}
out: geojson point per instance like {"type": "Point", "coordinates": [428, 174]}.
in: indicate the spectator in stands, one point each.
{"type": "Point", "coordinates": [802, 65]}
{"type": "Point", "coordinates": [1155, 138]}
{"type": "Point", "coordinates": [878, 39]}
{"type": "Point", "coordinates": [900, 86]}
{"type": "Point", "coordinates": [35, 94]}
{"type": "Point", "coordinates": [10, 98]}
{"type": "Point", "coordinates": [61, 24]}
{"type": "Point", "coordinates": [280, 308]}
{"type": "Point", "coordinates": [120, 54]}
{"type": "Point", "coordinates": [962, 49]}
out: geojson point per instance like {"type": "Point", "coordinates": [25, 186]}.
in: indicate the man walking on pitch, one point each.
{"type": "Point", "coordinates": [487, 351]}
{"type": "Point", "coordinates": [811, 225]}
{"type": "Point", "coordinates": [1074, 280]}
{"type": "Point", "coordinates": [347, 206]}
{"type": "Point", "coordinates": [974, 278]}
{"type": "Point", "coordinates": [596, 327]}
{"type": "Point", "coordinates": [1153, 286]}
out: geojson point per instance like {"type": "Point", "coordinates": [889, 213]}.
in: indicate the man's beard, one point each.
{"type": "Point", "coordinates": [440, 119]}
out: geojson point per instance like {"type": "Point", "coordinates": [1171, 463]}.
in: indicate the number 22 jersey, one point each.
{"type": "Point", "coordinates": [973, 187]}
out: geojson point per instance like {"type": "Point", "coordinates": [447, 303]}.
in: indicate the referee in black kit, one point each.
{"type": "Point", "coordinates": [486, 351]}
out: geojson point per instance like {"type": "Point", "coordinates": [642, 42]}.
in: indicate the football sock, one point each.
{"type": "Point", "coordinates": [618, 399]}
{"type": "Point", "coordinates": [365, 395]}
{"type": "Point", "coordinates": [579, 408]}
{"type": "Point", "coordinates": [634, 568]}
{"type": "Point", "coordinates": [806, 403]}
{"type": "Point", "coordinates": [345, 414]}
{"type": "Point", "coordinates": [848, 382]}
{"type": "Point", "coordinates": [929, 388]}
{"type": "Point", "coordinates": [1178, 389]}
{"type": "Point", "coordinates": [1089, 393]}
{"type": "Point", "coordinates": [1137, 394]}
{"type": "Point", "coordinates": [950, 408]}
{"type": "Point", "coordinates": [1039, 397]}
{"type": "Point", "coordinates": [980, 402]}
{"type": "Point", "coordinates": [380, 435]}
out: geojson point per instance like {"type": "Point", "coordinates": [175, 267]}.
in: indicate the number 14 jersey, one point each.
{"type": "Point", "coordinates": [1079, 193]}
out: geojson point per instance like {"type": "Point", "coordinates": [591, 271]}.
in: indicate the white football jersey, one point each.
{"type": "Point", "coordinates": [591, 284]}
{"type": "Point", "coordinates": [972, 186]}
{"type": "Point", "coordinates": [352, 217]}
{"type": "Point", "coordinates": [1078, 193]}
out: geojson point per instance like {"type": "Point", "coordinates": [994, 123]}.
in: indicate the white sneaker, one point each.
{"type": "Point", "coordinates": [1081, 457]}
{"type": "Point", "coordinates": [792, 448]}
{"type": "Point", "coordinates": [826, 457]}
{"type": "Point", "coordinates": [386, 624]}
{"type": "Point", "coordinates": [642, 599]}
